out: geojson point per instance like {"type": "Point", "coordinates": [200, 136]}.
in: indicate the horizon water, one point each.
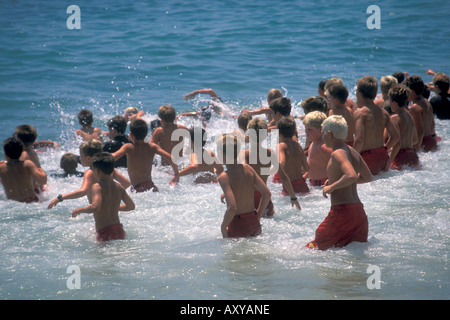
{"type": "Point", "coordinates": [152, 53]}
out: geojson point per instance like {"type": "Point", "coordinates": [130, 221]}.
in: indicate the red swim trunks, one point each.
{"type": "Point", "coordinates": [345, 223]}
{"type": "Point", "coordinates": [276, 178]}
{"type": "Point", "coordinates": [269, 211]}
{"type": "Point", "coordinates": [144, 186]}
{"type": "Point", "coordinates": [407, 156]}
{"type": "Point", "coordinates": [318, 183]}
{"type": "Point", "coordinates": [376, 159]}
{"type": "Point", "coordinates": [244, 225]}
{"type": "Point", "coordinates": [113, 232]}
{"type": "Point", "coordinates": [298, 185]}
{"type": "Point", "coordinates": [429, 143]}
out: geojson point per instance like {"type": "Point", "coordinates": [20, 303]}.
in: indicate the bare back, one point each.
{"type": "Point", "coordinates": [422, 111]}
{"type": "Point", "coordinates": [294, 159]}
{"type": "Point", "coordinates": [255, 161]}
{"type": "Point", "coordinates": [108, 214]}
{"type": "Point", "coordinates": [347, 113]}
{"type": "Point", "coordinates": [405, 125]}
{"type": "Point", "coordinates": [241, 179]}
{"type": "Point", "coordinates": [370, 122]}
{"type": "Point", "coordinates": [163, 137]}
{"type": "Point", "coordinates": [17, 180]}
{"type": "Point", "coordinates": [139, 161]}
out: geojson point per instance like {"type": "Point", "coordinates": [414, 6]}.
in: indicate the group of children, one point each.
{"type": "Point", "coordinates": [346, 143]}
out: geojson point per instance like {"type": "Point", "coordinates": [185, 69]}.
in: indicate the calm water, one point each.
{"type": "Point", "coordinates": [151, 53]}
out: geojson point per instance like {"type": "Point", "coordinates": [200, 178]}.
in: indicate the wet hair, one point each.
{"type": "Point", "coordinates": [314, 104]}
{"type": "Point", "coordinates": [332, 82]}
{"type": "Point", "coordinates": [167, 113]}
{"type": "Point", "coordinates": [337, 125]}
{"type": "Point", "coordinates": [287, 127]}
{"type": "Point", "coordinates": [85, 117]}
{"type": "Point", "coordinates": [26, 133]}
{"type": "Point", "coordinates": [281, 105]}
{"type": "Point", "coordinates": [400, 76]}
{"type": "Point", "coordinates": [415, 83]}
{"type": "Point", "coordinates": [338, 91]}
{"type": "Point", "coordinates": [103, 161]}
{"type": "Point", "coordinates": [194, 133]}
{"type": "Point", "coordinates": [322, 84]}
{"type": "Point", "coordinates": [13, 148]}
{"type": "Point", "coordinates": [243, 120]}
{"type": "Point", "coordinates": [367, 86]}
{"type": "Point", "coordinates": [399, 93]}
{"type": "Point", "coordinates": [118, 123]}
{"type": "Point", "coordinates": [91, 147]}
{"type": "Point", "coordinates": [68, 162]}
{"type": "Point", "coordinates": [314, 119]}
{"type": "Point", "coordinates": [274, 94]}
{"type": "Point", "coordinates": [226, 144]}
{"type": "Point", "coordinates": [386, 83]}
{"type": "Point", "coordinates": [139, 129]}
{"type": "Point", "coordinates": [259, 126]}
{"type": "Point", "coordinates": [441, 80]}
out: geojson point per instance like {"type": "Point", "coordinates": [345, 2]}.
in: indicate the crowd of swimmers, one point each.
{"type": "Point", "coordinates": [347, 143]}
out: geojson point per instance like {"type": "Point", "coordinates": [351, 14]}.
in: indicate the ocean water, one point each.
{"type": "Point", "coordinates": [148, 53]}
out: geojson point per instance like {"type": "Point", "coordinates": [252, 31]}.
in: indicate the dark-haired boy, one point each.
{"type": "Point", "coordinates": [140, 156]}
{"type": "Point", "coordinates": [106, 198]}
{"type": "Point", "coordinates": [117, 127]}
{"type": "Point", "coordinates": [441, 101]}
{"type": "Point", "coordinates": [87, 131]}
{"type": "Point", "coordinates": [422, 113]}
{"type": "Point", "coordinates": [19, 177]}
{"type": "Point", "coordinates": [337, 95]}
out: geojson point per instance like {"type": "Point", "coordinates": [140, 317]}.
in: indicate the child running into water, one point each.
{"type": "Point", "coordinates": [347, 220]}
{"type": "Point", "coordinates": [18, 177]}
{"type": "Point", "coordinates": [140, 156]}
{"type": "Point", "coordinates": [87, 131]}
{"type": "Point", "coordinates": [106, 200]}
{"type": "Point", "coordinates": [239, 183]}
{"type": "Point", "coordinates": [403, 121]}
{"type": "Point", "coordinates": [87, 151]}
{"type": "Point", "coordinates": [318, 154]}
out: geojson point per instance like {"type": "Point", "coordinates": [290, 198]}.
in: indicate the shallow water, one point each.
{"type": "Point", "coordinates": [148, 54]}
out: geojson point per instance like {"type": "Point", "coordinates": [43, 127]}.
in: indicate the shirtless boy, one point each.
{"type": "Point", "coordinates": [106, 200]}
{"type": "Point", "coordinates": [403, 121]}
{"type": "Point", "coordinates": [18, 177]}
{"type": "Point", "coordinates": [347, 221]}
{"type": "Point", "coordinates": [272, 95]}
{"type": "Point", "coordinates": [140, 156]}
{"type": "Point", "coordinates": [239, 183]}
{"type": "Point", "coordinates": [292, 160]}
{"type": "Point", "coordinates": [162, 136]}
{"type": "Point", "coordinates": [87, 131]}
{"type": "Point", "coordinates": [204, 162]}
{"type": "Point", "coordinates": [370, 123]}
{"type": "Point", "coordinates": [87, 151]}
{"type": "Point", "coordinates": [422, 113]}
{"type": "Point", "coordinates": [319, 154]}
{"type": "Point", "coordinates": [337, 96]}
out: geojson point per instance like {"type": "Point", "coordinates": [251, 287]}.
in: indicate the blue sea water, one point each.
{"type": "Point", "coordinates": [149, 53]}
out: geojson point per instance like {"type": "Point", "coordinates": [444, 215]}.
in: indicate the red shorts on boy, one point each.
{"type": "Point", "coordinates": [269, 211]}
{"type": "Point", "coordinates": [429, 143]}
{"type": "Point", "coordinates": [345, 223]}
{"type": "Point", "coordinates": [405, 157]}
{"type": "Point", "coordinates": [376, 159]}
{"type": "Point", "coordinates": [299, 186]}
{"type": "Point", "coordinates": [244, 225]}
{"type": "Point", "coordinates": [113, 232]}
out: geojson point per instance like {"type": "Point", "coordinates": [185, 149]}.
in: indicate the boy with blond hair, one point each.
{"type": "Point", "coordinates": [106, 200]}
{"type": "Point", "coordinates": [140, 155]}
{"type": "Point", "coordinates": [319, 154]}
{"type": "Point", "coordinates": [162, 135]}
{"type": "Point", "coordinates": [347, 221]}
{"type": "Point", "coordinates": [386, 83]}
{"type": "Point", "coordinates": [370, 123]}
{"type": "Point", "coordinates": [239, 183]}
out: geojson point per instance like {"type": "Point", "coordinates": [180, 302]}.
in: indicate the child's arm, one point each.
{"type": "Point", "coordinates": [96, 202]}
{"type": "Point", "coordinates": [38, 174]}
{"type": "Point", "coordinates": [349, 175]}
{"type": "Point", "coordinates": [166, 155]}
{"type": "Point", "coordinates": [121, 152]}
{"type": "Point", "coordinates": [265, 195]}
{"type": "Point", "coordinates": [285, 179]}
{"type": "Point", "coordinates": [231, 204]}
{"type": "Point", "coordinates": [191, 95]}
{"type": "Point", "coordinates": [364, 174]}
{"type": "Point", "coordinates": [87, 181]}
{"type": "Point", "coordinates": [128, 202]}
{"type": "Point", "coordinates": [121, 179]}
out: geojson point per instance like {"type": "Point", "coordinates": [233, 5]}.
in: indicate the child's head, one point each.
{"type": "Point", "coordinates": [104, 162]}
{"type": "Point", "coordinates": [274, 94]}
{"type": "Point", "coordinates": [243, 120]}
{"type": "Point", "coordinates": [88, 149]}
{"type": "Point", "coordinates": [400, 76]}
{"type": "Point", "coordinates": [337, 125]}
{"type": "Point", "coordinates": [257, 129]}
{"type": "Point", "coordinates": [367, 86]}
{"type": "Point", "coordinates": [313, 125]}
{"type": "Point", "coordinates": [321, 88]}
{"type": "Point", "coordinates": [69, 162]}
{"type": "Point", "coordinates": [386, 83]}
{"type": "Point", "coordinates": [286, 127]}
{"type": "Point", "coordinates": [13, 148]}
{"type": "Point", "coordinates": [85, 117]}
{"type": "Point", "coordinates": [281, 105]}
{"type": "Point", "coordinates": [441, 81]}
{"type": "Point", "coordinates": [332, 82]}
{"type": "Point", "coordinates": [27, 134]}
{"type": "Point", "coordinates": [118, 123]}
{"type": "Point", "coordinates": [167, 113]}
{"type": "Point", "coordinates": [139, 129]}
{"type": "Point", "coordinates": [415, 83]}
{"type": "Point", "coordinates": [228, 148]}
{"type": "Point", "coordinates": [314, 104]}
{"type": "Point", "coordinates": [339, 92]}
{"type": "Point", "coordinates": [399, 94]}
{"type": "Point", "coordinates": [131, 111]}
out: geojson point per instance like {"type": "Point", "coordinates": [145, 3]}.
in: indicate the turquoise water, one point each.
{"type": "Point", "coordinates": [151, 53]}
